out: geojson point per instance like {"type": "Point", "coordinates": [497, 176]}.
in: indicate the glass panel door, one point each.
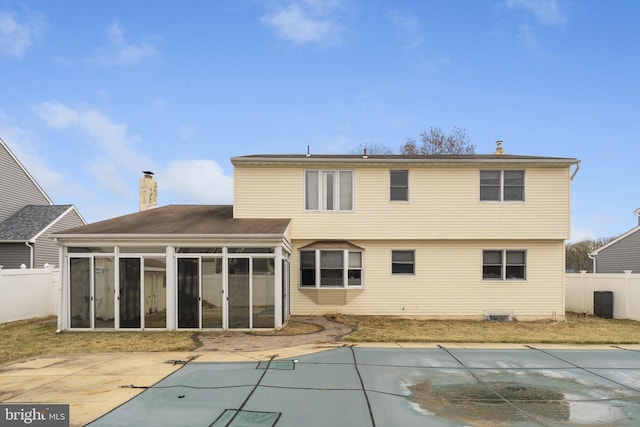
{"type": "Point", "coordinates": [155, 292]}
{"type": "Point", "coordinates": [238, 307]}
{"type": "Point", "coordinates": [80, 292]}
{"type": "Point", "coordinates": [211, 292]}
{"type": "Point", "coordinates": [188, 293]}
{"type": "Point", "coordinates": [129, 305]}
{"type": "Point", "coordinates": [263, 289]}
{"type": "Point", "coordinates": [104, 293]}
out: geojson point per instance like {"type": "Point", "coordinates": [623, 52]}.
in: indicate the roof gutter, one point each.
{"type": "Point", "coordinates": [575, 172]}
{"type": "Point", "coordinates": [164, 237]}
{"type": "Point", "coordinates": [403, 160]}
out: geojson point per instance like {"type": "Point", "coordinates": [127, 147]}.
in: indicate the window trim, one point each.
{"type": "Point", "coordinates": [413, 263]}
{"type": "Point", "coordinates": [321, 177]}
{"type": "Point", "coordinates": [504, 265]}
{"type": "Point", "coordinates": [392, 186]}
{"type": "Point", "coordinates": [346, 268]}
{"type": "Point", "coordinates": [502, 186]}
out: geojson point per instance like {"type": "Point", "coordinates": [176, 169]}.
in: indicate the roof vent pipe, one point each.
{"type": "Point", "coordinates": [365, 154]}
{"type": "Point", "coordinates": [308, 151]}
{"type": "Point", "coordinates": [499, 149]}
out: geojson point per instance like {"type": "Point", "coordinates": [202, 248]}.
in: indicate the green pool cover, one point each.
{"type": "Point", "coordinates": [353, 386]}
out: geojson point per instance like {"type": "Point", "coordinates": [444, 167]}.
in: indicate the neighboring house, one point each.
{"type": "Point", "coordinates": [28, 217]}
{"type": "Point", "coordinates": [620, 254]}
{"type": "Point", "coordinates": [456, 236]}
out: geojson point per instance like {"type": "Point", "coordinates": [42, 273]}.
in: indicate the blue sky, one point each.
{"type": "Point", "coordinates": [94, 92]}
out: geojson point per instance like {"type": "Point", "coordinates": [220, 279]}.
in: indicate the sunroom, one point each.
{"type": "Point", "coordinates": [176, 267]}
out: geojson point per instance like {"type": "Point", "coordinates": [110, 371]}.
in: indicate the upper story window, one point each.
{"type": "Point", "coordinates": [399, 185]}
{"type": "Point", "coordinates": [501, 185]}
{"type": "Point", "coordinates": [328, 190]}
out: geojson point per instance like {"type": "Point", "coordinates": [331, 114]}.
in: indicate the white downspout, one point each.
{"type": "Point", "coordinates": [30, 254]}
{"type": "Point", "coordinates": [594, 262]}
{"type": "Point", "coordinates": [575, 171]}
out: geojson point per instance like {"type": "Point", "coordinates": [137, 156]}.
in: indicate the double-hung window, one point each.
{"type": "Point", "coordinates": [504, 265]}
{"type": "Point", "coordinates": [498, 185]}
{"type": "Point", "coordinates": [399, 185]}
{"type": "Point", "coordinates": [330, 268]}
{"type": "Point", "coordinates": [328, 190]}
{"type": "Point", "coordinates": [403, 262]}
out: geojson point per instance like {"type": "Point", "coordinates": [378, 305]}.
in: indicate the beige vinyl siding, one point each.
{"type": "Point", "coordinates": [448, 282]}
{"type": "Point", "coordinates": [443, 204]}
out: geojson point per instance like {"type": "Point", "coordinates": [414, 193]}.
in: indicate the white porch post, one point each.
{"type": "Point", "coordinates": [63, 309]}
{"type": "Point", "coordinates": [278, 288]}
{"type": "Point", "coordinates": [171, 287]}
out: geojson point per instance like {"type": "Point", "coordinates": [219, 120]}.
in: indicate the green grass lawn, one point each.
{"type": "Point", "coordinates": [35, 337]}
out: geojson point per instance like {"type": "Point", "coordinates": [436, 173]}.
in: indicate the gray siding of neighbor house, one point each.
{"type": "Point", "coordinates": [46, 249]}
{"type": "Point", "coordinates": [12, 255]}
{"type": "Point", "coordinates": [17, 189]}
{"type": "Point", "coordinates": [620, 256]}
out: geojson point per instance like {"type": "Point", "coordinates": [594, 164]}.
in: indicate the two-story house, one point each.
{"type": "Point", "coordinates": [455, 236]}
{"type": "Point", "coordinates": [28, 217]}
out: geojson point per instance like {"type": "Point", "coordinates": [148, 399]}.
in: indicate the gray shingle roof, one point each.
{"type": "Point", "coordinates": [183, 220]}
{"type": "Point", "coordinates": [29, 221]}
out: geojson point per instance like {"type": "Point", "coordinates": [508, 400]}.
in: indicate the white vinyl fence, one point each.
{"type": "Point", "coordinates": [28, 293]}
{"type": "Point", "coordinates": [625, 287]}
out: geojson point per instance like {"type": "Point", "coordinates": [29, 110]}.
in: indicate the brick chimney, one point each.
{"type": "Point", "coordinates": [148, 192]}
{"type": "Point", "coordinates": [499, 149]}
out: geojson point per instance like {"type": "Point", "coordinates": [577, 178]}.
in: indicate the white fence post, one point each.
{"type": "Point", "coordinates": [627, 279]}
{"type": "Point", "coordinates": [583, 290]}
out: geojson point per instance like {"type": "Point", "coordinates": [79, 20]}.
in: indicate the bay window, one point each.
{"type": "Point", "coordinates": [330, 268]}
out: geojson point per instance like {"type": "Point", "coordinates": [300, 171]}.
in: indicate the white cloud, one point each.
{"type": "Point", "coordinates": [408, 28]}
{"type": "Point", "coordinates": [195, 182]}
{"type": "Point", "coordinates": [186, 131]}
{"type": "Point", "coordinates": [21, 143]}
{"type": "Point", "coordinates": [112, 138]}
{"type": "Point", "coordinates": [57, 115]}
{"type": "Point", "coordinates": [547, 12]}
{"type": "Point", "coordinates": [527, 38]}
{"type": "Point", "coordinates": [116, 160]}
{"type": "Point", "coordinates": [16, 37]}
{"type": "Point", "coordinates": [304, 22]}
{"type": "Point", "coordinates": [119, 51]}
